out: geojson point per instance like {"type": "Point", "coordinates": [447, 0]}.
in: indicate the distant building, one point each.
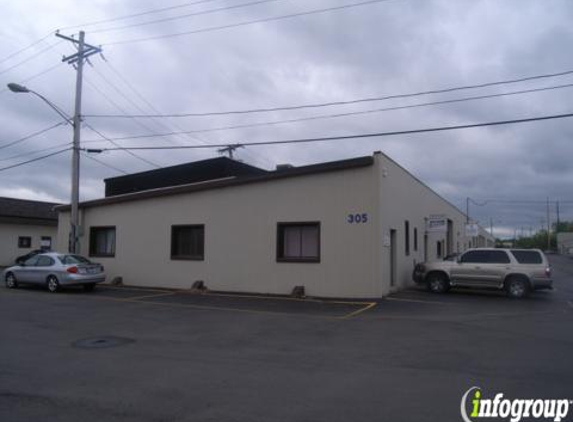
{"type": "Point", "coordinates": [25, 226]}
{"type": "Point", "coordinates": [353, 228]}
{"type": "Point", "coordinates": [565, 243]}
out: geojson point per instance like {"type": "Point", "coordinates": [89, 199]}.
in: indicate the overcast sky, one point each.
{"type": "Point", "coordinates": [374, 50]}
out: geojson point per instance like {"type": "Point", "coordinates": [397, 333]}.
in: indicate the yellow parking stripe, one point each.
{"type": "Point", "coordinates": [359, 311]}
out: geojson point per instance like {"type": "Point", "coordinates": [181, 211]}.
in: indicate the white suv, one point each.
{"type": "Point", "coordinates": [517, 271]}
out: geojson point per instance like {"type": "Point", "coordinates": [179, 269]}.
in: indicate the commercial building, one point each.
{"type": "Point", "coordinates": [25, 226]}
{"type": "Point", "coordinates": [565, 243]}
{"type": "Point", "coordinates": [353, 228]}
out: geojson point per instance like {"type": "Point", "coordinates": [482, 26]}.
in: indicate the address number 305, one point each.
{"type": "Point", "coordinates": [360, 218]}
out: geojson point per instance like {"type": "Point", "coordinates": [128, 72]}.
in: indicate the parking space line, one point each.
{"type": "Point", "coordinates": [221, 308]}
{"type": "Point", "coordinates": [359, 311]}
{"type": "Point", "coordinates": [133, 288]}
{"type": "Point", "coordinates": [433, 302]}
{"type": "Point", "coordinates": [151, 296]}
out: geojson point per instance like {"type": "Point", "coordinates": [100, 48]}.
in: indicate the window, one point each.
{"type": "Point", "coordinates": [188, 242]}
{"type": "Point", "coordinates": [73, 259]}
{"type": "Point", "coordinates": [102, 241]}
{"type": "Point", "coordinates": [415, 239]}
{"type": "Point", "coordinates": [31, 262]}
{"type": "Point", "coordinates": [497, 257]}
{"type": "Point", "coordinates": [45, 261]}
{"type": "Point", "coordinates": [298, 242]}
{"type": "Point", "coordinates": [407, 237]}
{"type": "Point", "coordinates": [527, 257]}
{"type": "Point", "coordinates": [438, 249]}
{"type": "Point", "coordinates": [485, 257]}
{"type": "Point", "coordinates": [24, 242]}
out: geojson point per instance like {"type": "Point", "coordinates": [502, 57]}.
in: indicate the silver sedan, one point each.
{"type": "Point", "coordinates": [55, 270]}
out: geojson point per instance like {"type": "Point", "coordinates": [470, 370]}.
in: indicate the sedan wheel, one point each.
{"type": "Point", "coordinates": [53, 284]}
{"type": "Point", "coordinates": [11, 282]}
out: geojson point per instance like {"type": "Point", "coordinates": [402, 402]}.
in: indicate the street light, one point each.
{"type": "Point", "coordinates": [75, 121]}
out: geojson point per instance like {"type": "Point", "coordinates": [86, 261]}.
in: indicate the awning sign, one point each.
{"type": "Point", "coordinates": [472, 230]}
{"type": "Point", "coordinates": [437, 224]}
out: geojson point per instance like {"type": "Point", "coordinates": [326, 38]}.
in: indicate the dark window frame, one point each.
{"type": "Point", "coordinates": [415, 239]}
{"type": "Point", "coordinates": [92, 243]}
{"type": "Point", "coordinates": [280, 241]}
{"type": "Point", "coordinates": [181, 257]}
{"type": "Point", "coordinates": [407, 237]}
{"type": "Point", "coordinates": [22, 244]}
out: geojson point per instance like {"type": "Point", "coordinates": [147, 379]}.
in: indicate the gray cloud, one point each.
{"type": "Point", "coordinates": [388, 48]}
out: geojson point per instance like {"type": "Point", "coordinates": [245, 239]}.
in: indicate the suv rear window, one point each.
{"type": "Point", "coordinates": [527, 257]}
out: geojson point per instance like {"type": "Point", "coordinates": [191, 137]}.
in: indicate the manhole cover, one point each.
{"type": "Point", "coordinates": [101, 342]}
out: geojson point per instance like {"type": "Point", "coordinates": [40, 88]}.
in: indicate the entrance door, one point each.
{"type": "Point", "coordinates": [393, 263]}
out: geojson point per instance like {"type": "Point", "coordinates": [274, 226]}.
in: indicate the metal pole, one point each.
{"type": "Point", "coordinates": [467, 210]}
{"type": "Point", "coordinates": [557, 209]}
{"type": "Point", "coordinates": [548, 227]}
{"type": "Point", "coordinates": [74, 222]}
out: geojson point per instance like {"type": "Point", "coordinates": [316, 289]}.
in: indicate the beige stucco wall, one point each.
{"type": "Point", "coordinates": [9, 234]}
{"type": "Point", "coordinates": [241, 233]}
{"type": "Point", "coordinates": [403, 197]}
{"type": "Point", "coordinates": [240, 236]}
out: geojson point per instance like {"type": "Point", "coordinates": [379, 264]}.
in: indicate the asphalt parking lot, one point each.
{"type": "Point", "coordinates": [154, 355]}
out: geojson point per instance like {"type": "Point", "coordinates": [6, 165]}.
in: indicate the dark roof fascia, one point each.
{"type": "Point", "coordinates": [10, 219]}
{"type": "Point", "coordinates": [229, 182]}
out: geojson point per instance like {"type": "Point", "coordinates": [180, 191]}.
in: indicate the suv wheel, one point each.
{"type": "Point", "coordinates": [517, 287]}
{"type": "Point", "coordinates": [438, 283]}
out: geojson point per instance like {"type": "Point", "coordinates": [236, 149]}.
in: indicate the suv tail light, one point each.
{"type": "Point", "coordinates": [548, 271]}
{"type": "Point", "coordinates": [72, 270]}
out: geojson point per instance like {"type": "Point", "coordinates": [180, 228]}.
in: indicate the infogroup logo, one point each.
{"type": "Point", "coordinates": [513, 409]}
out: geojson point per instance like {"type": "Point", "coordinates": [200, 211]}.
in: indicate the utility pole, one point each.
{"type": "Point", "coordinates": [548, 227]}
{"type": "Point", "coordinates": [557, 210]}
{"type": "Point", "coordinates": [467, 210]}
{"type": "Point", "coordinates": [77, 60]}
{"type": "Point", "coordinates": [229, 149]}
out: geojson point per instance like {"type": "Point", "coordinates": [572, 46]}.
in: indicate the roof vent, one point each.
{"type": "Point", "coordinates": [284, 167]}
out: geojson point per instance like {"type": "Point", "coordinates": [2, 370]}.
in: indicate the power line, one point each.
{"type": "Point", "coordinates": [359, 136]}
{"type": "Point", "coordinates": [44, 50]}
{"type": "Point", "coordinates": [14, 54]}
{"type": "Point", "coordinates": [187, 15]}
{"type": "Point", "coordinates": [346, 102]}
{"type": "Point", "coordinates": [26, 154]}
{"type": "Point", "coordinates": [135, 15]}
{"type": "Point", "coordinates": [35, 159]}
{"type": "Point", "coordinates": [119, 147]}
{"type": "Point", "coordinates": [351, 113]}
{"type": "Point", "coordinates": [126, 82]}
{"type": "Point", "coordinates": [245, 23]}
{"type": "Point", "coordinates": [25, 138]}
{"type": "Point", "coordinates": [103, 163]}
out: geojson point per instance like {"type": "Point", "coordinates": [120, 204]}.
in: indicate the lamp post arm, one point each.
{"type": "Point", "coordinates": [53, 106]}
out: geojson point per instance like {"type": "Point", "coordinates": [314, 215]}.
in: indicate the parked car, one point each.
{"type": "Point", "coordinates": [29, 255]}
{"type": "Point", "coordinates": [517, 271]}
{"type": "Point", "coordinates": [55, 270]}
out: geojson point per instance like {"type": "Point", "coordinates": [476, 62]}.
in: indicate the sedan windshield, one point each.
{"type": "Point", "coordinates": [73, 259]}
